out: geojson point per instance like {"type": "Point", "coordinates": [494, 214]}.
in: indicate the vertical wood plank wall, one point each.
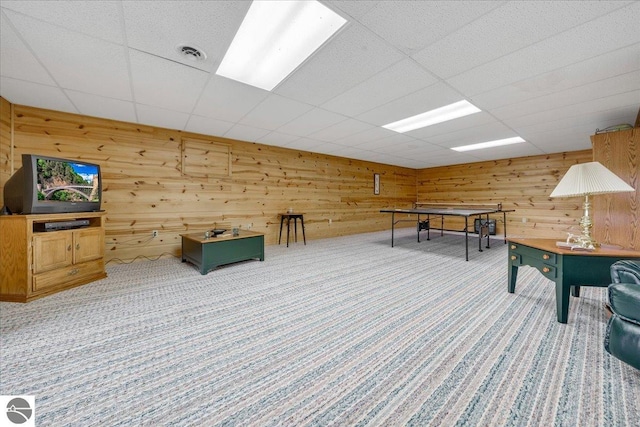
{"type": "Point", "coordinates": [523, 184]}
{"type": "Point", "coordinates": [144, 187]}
{"type": "Point", "coordinates": [616, 217]}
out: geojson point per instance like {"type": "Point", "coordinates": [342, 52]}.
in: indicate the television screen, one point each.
{"type": "Point", "coordinates": [52, 185]}
{"type": "Point", "coordinates": [67, 181]}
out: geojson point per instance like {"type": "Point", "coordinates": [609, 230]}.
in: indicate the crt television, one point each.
{"type": "Point", "coordinates": [51, 185]}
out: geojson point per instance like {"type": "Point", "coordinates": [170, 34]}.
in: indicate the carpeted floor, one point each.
{"type": "Point", "coordinates": [344, 332]}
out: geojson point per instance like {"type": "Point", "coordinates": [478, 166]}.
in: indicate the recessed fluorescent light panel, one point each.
{"type": "Point", "coordinates": [488, 144]}
{"type": "Point", "coordinates": [275, 38]}
{"type": "Point", "coordinates": [439, 115]}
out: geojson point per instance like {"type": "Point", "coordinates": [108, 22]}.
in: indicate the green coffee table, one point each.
{"type": "Point", "coordinates": [209, 253]}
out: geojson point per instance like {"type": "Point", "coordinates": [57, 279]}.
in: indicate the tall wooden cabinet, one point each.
{"type": "Point", "coordinates": [38, 263]}
{"type": "Point", "coordinates": [617, 216]}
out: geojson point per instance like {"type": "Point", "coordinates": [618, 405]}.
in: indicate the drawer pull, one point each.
{"type": "Point", "coordinates": [73, 272]}
{"type": "Point", "coordinates": [545, 256]}
{"type": "Point", "coordinates": [513, 257]}
{"type": "Point", "coordinates": [546, 270]}
{"type": "Point", "coordinates": [513, 246]}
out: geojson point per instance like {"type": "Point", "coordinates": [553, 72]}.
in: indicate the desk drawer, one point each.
{"type": "Point", "coordinates": [547, 257]}
{"type": "Point", "coordinates": [548, 271]}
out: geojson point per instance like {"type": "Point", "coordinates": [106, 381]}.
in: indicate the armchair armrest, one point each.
{"type": "Point", "coordinates": [625, 301]}
{"type": "Point", "coordinates": [626, 271]}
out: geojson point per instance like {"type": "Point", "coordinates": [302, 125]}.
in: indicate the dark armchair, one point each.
{"type": "Point", "coordinates": [622, 338]}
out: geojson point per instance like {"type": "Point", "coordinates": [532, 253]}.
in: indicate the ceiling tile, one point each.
{"type": "Point", "coordinates": [610, 64]}
{"type": "Point", "coordinates": [165, 84]}
{"type": "Point", "coordinates": [92, 66]}
{"type": "Point", "coordinates": [341, 130]}
{"type": "Point", "coordinates": [506, 29]}
{"type": "Point", "coordinates": [158, 27]}
{"type": "Point", "coordinates": [387, 141]}
{"type": "Point", "coordinates": [276, 138]}
{"type": "Point", "coordinates": [376, 91]}
{"type": "Point", "coordinates": [563, 113]}
{"type": "Point", "coordinates": [100, 106]}
{"type": "Point", "coordinates": [507, 151]}
{"type": "Point", "coordinates": [352, 8]}
{"type": "Point", "coordinates": [617, 29]}
{"type": "Point", "coordinates": [101, 19]}
{"type": "Point", "coordinates": [576, 129]}
{"type": "Point", "coordinates": [228, 100]}
{"type": "Point", "coordinates": [483, 133]}
{"type": "Point", "coordinates": [160, 117]}
{"type": "Point", "coordinates": [592, 91]}
{"type": "Point", "coordinates": [468, 122]}
{"type": "Point", "coordinates": [305, 144]}
{"type": "Point", "coordinates": [412, 25]}
{"type": "Point", "coordinates": [245, 133]}
{"type": "Point", "coordinates": [35, 95]}
{"type": "Point", "coordinates": [423, 100]}
{"type": "Point", "coordinates": [311, 122]}
{"type": "Point", "coordinates": [17, 60]}
{"type": "Point", "coordinates": [274, 112]}
{"type": "Point", "coordinates": [207, 125]}
{"type": "Point", "coordinates": [351, 57]}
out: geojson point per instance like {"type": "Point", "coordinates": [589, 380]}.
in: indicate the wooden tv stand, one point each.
{"type": "Point", "coordinates": [38, 263]}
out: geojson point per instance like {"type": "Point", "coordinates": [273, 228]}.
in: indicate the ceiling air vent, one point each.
{"type": "Point", "coordinates": [191, 53]}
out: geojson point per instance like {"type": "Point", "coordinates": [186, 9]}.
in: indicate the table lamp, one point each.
{"type": "Point", "coordinates": [587, 179]}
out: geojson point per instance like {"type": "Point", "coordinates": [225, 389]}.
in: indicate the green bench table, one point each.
{"type": "Point", "coordinates": [209, 253]}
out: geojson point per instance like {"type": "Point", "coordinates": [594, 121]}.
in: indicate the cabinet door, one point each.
{"type": "Point", "coordinates": [52, 250]}
{"type": "Point", "coordinates": [88, 244]}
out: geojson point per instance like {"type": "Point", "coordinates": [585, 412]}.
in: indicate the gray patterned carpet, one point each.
{"type": "Point", "coordinates": [343, 332]}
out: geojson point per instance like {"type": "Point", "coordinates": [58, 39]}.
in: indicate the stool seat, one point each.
{"type": "Point", "coordinates": [288, 217]}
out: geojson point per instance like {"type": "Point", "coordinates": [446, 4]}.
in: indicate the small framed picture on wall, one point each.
{"type": "Point", "coordinates": [376, 183]}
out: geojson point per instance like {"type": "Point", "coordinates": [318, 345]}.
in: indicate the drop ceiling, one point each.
{"type": "Point", "coordinates": [551, 72]}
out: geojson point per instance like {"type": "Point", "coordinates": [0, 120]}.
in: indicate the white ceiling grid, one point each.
{"type": "Point", "coordinates": [550, 71]}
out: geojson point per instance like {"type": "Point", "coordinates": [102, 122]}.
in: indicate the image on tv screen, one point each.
{"type": "Point", "coordinates": [67, 181]}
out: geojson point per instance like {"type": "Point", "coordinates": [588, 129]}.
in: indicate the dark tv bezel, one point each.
{"type": "Point", "coordinates": [24, 200]}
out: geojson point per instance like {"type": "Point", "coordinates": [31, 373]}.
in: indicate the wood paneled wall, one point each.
{"type": "Point", "coordinates": [145, 187]}
{"type": "Point", "coordinates": [523, 184]}
{"type": "Point", "coordinates": [616, 217]}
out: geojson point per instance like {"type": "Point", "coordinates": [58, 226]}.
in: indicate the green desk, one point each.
{"type": "Point", "coordinates": [209, 253]}
{"type": "Point", "coordinates": [568, 269]}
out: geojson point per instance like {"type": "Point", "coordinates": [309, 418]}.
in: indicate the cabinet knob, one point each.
{"type": "Point", "coordinates": [69, 248]}
{"type": "Point", "coordinates": [546, 270]}
{"type": "Point", "coordinates": [545, 256]}
{"type": "Point", "coordinates": [77, 246]}
{"type": "Point", "coordinates": [513, 246]}
{"type": "Point", "coordinates": [513, 257]}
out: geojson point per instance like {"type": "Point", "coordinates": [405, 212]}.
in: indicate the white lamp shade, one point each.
{"type": "Point", "coordinates": [589, 178]}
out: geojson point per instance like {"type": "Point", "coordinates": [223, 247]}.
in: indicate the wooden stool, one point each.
{"type": "Point", "coordinates": [288, 217]}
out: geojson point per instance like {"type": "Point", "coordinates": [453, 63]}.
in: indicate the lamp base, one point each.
{"type": "Point", "coordinates": [586, 242]}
